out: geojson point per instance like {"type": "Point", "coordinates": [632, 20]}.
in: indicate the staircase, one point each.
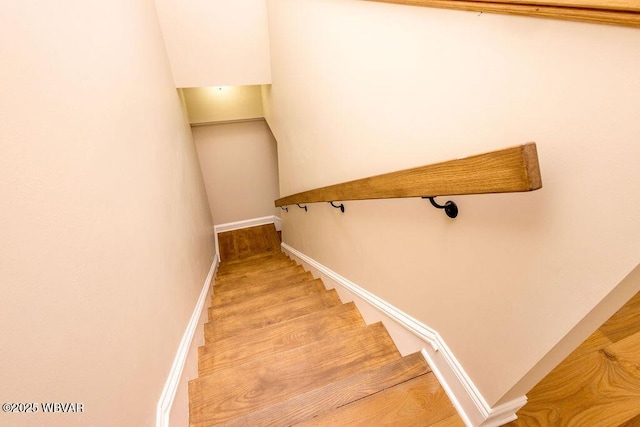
{"type": "Point", "coordinates": [282, 350]}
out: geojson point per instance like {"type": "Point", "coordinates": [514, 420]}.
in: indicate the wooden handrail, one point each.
{"type": "Point", "coordinates": [614, 12]}
{"type": "Point", "coordinates": [509, 170]}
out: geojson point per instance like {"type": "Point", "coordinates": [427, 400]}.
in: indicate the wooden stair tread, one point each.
{"type": "Point", "coordinates": [420, 401]}
{"type": "Point", "coordinates": [280, 337]}
{"type": "Point", "coordinates": [334, 395]}
{"type": "Point", "coordinates": [236, 391]}
{"type": "Point", "coordinates": [243, 264]}
{"type": "Point", "coordinates": [253, 262]}
{"type": "Point", "coordinates": [242, 273]}
{"type": "Point", "coordinates": [270, 315]}
{"type": "Point", "coordinates": [258, 302]}
{"type": "Point", "coordinates": [232, 296]}
{"type": "Point", "coordinates": [241, 282]}
{"type": "Point", "coordinates": [255, 257]}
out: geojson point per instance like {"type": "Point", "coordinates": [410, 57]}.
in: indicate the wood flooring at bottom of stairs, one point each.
{"type": "Point", "coordinates": [598, 384]}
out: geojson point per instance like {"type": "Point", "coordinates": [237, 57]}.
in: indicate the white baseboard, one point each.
{"type": "Point", "coordinates": [253, 222]}
{"type": "Point", "coordinates": [467, 399]}
{"type": "Point", "coordinates": [171, 386]}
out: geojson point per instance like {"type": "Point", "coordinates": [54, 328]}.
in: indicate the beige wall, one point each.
{"type": "Point", "coordinates": [239, 163]}
{"type": "Point", "coordinates": [223, 103]}
{"type": "Point", "coordinates": [105, 230]}
{"type": "Point", "coordinates": [361, 88]}
{"type": "Point", "coordinates": [216, 42]}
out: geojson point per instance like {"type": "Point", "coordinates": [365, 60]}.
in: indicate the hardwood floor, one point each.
{"type": "Point", "coordinates": [405, 404]}
{"type": "Point", "coordinates": [280, 349]}
{"type": "Point", "coordinates": [598, 384]}
{"type": "Point", "coordinates": [247, 242]}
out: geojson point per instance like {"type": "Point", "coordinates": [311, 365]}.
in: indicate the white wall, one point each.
{"type": "Point", "coordinates": [105, 230]}
{"type": "Point", "coordinates": [216, 42]}
{"type": "Point", "coordinates": [223, 103]}
{"type": "Point", "coordinates": [239, 163]}
{"type": "Point", "coordinates": [361, 88]}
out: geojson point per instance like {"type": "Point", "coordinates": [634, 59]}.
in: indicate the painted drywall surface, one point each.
{"type": "Point", "coordinates": [216, 42]}
{"type": "Point", "coordinates": [240, 169]}
{"type": "Point", "coordinates": [361, 88]}
{"type": "Point", "coordinates": [105, 227]}
{"type": "Point", "coordinates": [223, 103]}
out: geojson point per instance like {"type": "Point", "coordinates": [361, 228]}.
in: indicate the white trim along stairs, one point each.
{"type": "Point", "coordinates": [168, 394]}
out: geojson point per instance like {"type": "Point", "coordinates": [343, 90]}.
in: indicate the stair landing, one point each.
{"type": "Point", "coordinates": [242, 244]}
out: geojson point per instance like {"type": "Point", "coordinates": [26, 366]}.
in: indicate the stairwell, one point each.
{"type": "Point", "coordinates": [280, 349]}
